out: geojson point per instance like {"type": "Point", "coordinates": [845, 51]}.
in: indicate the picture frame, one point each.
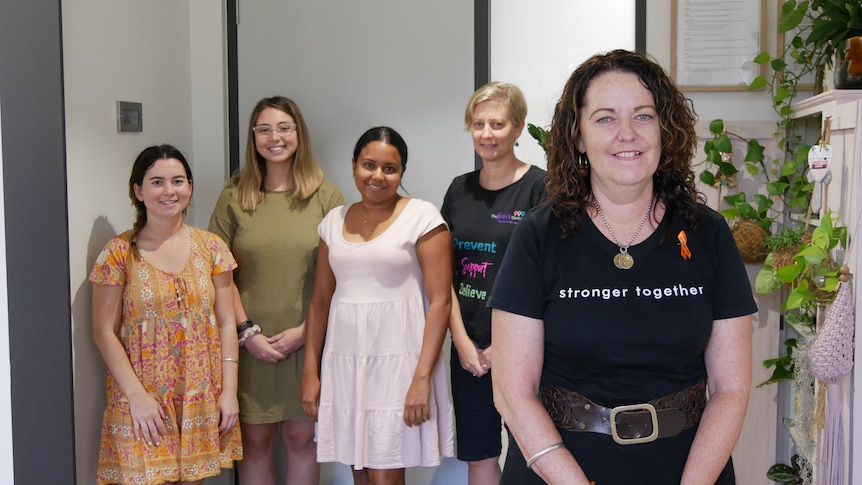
{"type": "Point", "coordinates": [713, 44]}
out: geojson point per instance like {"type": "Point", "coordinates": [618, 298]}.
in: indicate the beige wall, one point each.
{"type": "Point", "coordinates": [151, 52]}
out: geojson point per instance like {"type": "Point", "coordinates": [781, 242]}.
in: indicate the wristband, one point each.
{"type": "Point", "coordinates": [242, 327]}
{"type": "Point", "coordinates": [248, 333]}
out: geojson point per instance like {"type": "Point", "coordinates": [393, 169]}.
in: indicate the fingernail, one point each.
{"type": "Point", "coordinates": [150, 443]}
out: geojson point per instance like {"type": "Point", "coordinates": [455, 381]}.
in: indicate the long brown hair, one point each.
{"type": "Point", "coordinates": [569, 189]}
{"type": "Point", "coordinates": [307, 176]}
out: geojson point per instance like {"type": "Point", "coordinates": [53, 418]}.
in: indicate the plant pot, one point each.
{"type": "Point", "coordinates": [751, 241]}
{"type": "Point", "coordinates": [786, 256]}
{"type": "Point", "coordinates": [848, 74]}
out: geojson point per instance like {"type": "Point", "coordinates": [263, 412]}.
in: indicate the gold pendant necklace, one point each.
{"type": "Point", "coordinates": [624, 260]}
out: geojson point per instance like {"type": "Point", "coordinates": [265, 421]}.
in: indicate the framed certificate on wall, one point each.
{"type": "Point", "coordinates": [713, 44]}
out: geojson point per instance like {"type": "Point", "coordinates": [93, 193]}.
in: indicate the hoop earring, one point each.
{"type": "Point", "coordinates": [583, 165]}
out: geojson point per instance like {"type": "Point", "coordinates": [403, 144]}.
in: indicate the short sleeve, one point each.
{"type": "Point", "coordinates": [330, 197]}
{"type": "Point", "coordinates": [222, 220]}
{"type": "Point", "coordinates": [222, 258]}
{"type": "Point", "coordinates": [733, 296]}
{"type": "Point", "coordinates": [519, 286]}
{"type": "Point", "coordinates": [110, 266]}
{"type": "Point", "coordinates": [428, 218]}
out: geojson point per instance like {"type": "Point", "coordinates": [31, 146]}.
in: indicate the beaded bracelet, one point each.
{"type": "Point", "coordinates": [242, 327]}
{"type": "Point", "coordinates": [248, 333]}
{"type": "Point", "coordinates": [542, 453]}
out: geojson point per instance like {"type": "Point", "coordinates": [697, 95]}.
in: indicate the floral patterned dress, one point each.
{"type": "Point", "coordinates": [170, 334]}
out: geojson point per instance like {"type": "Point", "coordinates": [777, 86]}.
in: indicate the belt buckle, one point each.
{"type": "Point", "coordinates": [634, 407]}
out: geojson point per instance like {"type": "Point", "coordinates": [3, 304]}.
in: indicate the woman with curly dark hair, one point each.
{"type": "Point", "coordinates": [623, 300]}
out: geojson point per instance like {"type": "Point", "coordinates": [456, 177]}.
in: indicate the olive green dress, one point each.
{"type": "Point", "coordinates": [276, 249]}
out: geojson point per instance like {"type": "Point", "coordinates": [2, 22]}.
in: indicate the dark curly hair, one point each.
{"type": "Point", "coordinates": [569, 189]}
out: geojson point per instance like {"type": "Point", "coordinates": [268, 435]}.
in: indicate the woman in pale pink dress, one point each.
{"type": "Point", "coordinates": [377, 386]}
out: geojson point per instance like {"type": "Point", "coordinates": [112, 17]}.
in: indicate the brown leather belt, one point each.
{"type": "Point", "coordinates": [628, 425]}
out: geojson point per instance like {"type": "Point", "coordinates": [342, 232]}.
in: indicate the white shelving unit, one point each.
{"type": "Point", "coordinates": [843, 197]}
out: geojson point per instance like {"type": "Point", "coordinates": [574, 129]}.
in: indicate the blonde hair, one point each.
{"type": "Point", "coordinates": [307, 176]}
{"type": "Point", "coordinates": [505, 92]}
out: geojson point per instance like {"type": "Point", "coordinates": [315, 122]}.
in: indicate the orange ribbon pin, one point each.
{"type": "Point", "coordinates": [683, 243]}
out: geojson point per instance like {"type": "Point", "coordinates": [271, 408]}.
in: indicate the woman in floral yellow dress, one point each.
{"type": "Point", "coordinates": [163, 322]}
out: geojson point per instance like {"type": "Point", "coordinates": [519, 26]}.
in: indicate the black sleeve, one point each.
{"type": "Point", "coordinates": [519, 286]}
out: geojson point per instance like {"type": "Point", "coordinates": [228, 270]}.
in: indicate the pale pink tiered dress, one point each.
{"type": "Point", "coordinates": [376, 324]}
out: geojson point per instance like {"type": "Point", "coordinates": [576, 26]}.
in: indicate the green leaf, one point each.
{"type": "Point", "coordinates": [723, 144]}
{"type": "Point", "coordinates": [758, 83]}
{"type": "Point", "coordinates": [789, 168]}
{"type": "Point", "coordinates": [707, 178]}
{"type": "Point", "coordinates": [813, 254]}
{"type": "Point", "coordinates": [783, 474]}
{"type": "Point", "coordinates": [831, 284]}
{"type": "Point", "coordinates": [776, 187]}
{"type": "Point", "coordinates": [727, 168]}
{"type": "Point", "coordinates": [714, 157]}
{"type": "Point", "coordinates": [794, 300]}
{"type": "Point", "coordinates": [778, 65]}
{"type": "Point", "coordinates": [791, 15]}
{"type": "Point", "coordinates": [781, 93]}
{"type": "Point", "coordinates": [754, 152]}
{"type": "Point", "coordinates": [761, 58]}
{"type": "Point", "coordinates": [789, 273]}
{"type": "Point", "coordinates": [730, 213]}
{"type": "Point", "coordinates": [716, 126]}
{"type": "Point", "coordinates": [766, 281]}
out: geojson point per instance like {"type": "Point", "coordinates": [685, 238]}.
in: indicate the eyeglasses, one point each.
{"type": "Point", "coordinates": [282, 129]}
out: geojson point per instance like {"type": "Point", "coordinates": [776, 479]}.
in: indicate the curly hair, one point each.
{"type": "Point", "coordinates": [569, 186]}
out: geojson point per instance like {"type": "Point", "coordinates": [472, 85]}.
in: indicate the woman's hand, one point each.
{"type": "Point", "coordinates": [148, 418]}
{"type": "Point", "coordinates": [416, 407]}
{"type": "Point", "coordinates": [260, 348]}
{"type": "Point", "coordinates": [310, 394]}
{"type": "Point", "coordinates": [228, 409]}
{"type": "Point", "coordinates": [485, 359]}
{"type": "Point", "coordinates": [470, 357]}
{"type": "Point", "coordinates": [289, 340]}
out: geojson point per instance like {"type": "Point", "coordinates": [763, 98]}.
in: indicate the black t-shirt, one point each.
{"type": "Point", "coordinates": [622, 336]}
{"type": "Point", "coordinates": [481, 222]}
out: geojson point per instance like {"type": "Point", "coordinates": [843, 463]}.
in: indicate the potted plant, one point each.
{"type": "Point", "coordinates": [752, 216]}
{"type": "Point", "coordinates": [824, 26]}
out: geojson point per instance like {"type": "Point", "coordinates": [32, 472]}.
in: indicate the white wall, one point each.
{"type": "Point", "coordinates": [541, 61]}
{"type": "Point", "coordinates": [6, 457]}
{"type": "Point", "coordinates": [151, 52]}
{"type": "Point", "coordinates": [353, 65]}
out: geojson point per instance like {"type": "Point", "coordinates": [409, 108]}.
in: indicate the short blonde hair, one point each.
{"type": "Point", "coordinates": [505, 92]}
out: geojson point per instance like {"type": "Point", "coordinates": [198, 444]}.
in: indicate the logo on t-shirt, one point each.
{"type": "Point", "coordinates": [505, 218]}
